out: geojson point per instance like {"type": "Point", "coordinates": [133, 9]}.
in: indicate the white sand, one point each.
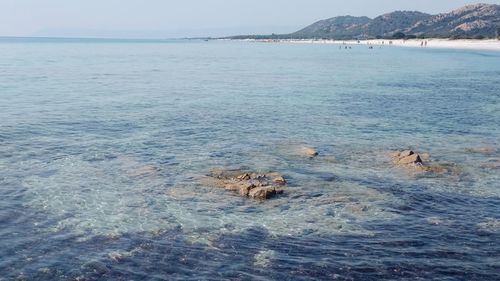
{"type": "Point", "coordinates": [487, 44]}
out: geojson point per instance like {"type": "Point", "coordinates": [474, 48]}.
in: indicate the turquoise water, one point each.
{"type": "Point", "coordinates": [104, 146]}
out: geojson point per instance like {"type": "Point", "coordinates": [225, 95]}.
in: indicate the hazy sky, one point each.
{"type": "Point", "coordinates": [168, 18]}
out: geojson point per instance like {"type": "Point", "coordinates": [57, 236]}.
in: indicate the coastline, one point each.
{"type": "Point", "coordinates": [471, 44]}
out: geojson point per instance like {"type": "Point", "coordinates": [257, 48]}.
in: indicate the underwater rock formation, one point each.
{"type": "Point", "coordinates": [483, 150]}
{"type": "Point", "coordinates": [491, 164]}
{"type": "Point", "coordinates": [299, 150]}
{"type": "Point", "coordinates": [308, 151]}
{"type": "Point", "coordinates": [249, 184]}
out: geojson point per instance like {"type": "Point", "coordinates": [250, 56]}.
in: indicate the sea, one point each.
{"type": "Point", "coordinates": [105, 147]}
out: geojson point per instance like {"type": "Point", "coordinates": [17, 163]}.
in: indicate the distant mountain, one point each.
{"type": "Point", "coordinates": [345, 26]}
{"type": "Point", "coordinates": [388, 24]}
{"type": "Point", "coordinates": [472, 21]}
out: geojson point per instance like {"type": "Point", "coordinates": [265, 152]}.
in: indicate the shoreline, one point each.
{"type": "Point", "coordinates": [435, 43]}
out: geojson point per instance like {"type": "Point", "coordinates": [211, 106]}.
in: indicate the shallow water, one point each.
{"type": "Point", "coordinates": [104, 146]}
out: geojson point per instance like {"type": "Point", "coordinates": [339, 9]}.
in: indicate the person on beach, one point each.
{"type": "Point", "coordinates": [422, 44]}
{"type": "Point", "coordinates": [426, 43]}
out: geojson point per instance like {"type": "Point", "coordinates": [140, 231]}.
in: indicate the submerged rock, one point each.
{"type": "Point", "coordinates": [264, 258]}
{"type": "Point", "coordinates": [484, 150]}
{"type": "Point", "coordinates": [491, 164]}
{"type": "Point", "coordinates": [259, 186]}
{"type": "Point", "coordinates": [425, 156]}
{"type": "Point", "coordinates": [309, 151]}
{"type": "Point", "coordinates": [436, 169]}
{"type": "Point", "coordinates": [143, 171]}
{"type": "Point", "coordinates": [490, 225]}
{"type": "Point", "coordinates": [96, 267]}
{"type": "Point", "coordinates": [264, 192]}
{"type": "Point", "coordinates": [300, 150]}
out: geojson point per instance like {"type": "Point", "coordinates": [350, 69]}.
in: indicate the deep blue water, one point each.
{"type": "Point", "coordinates": [104, 145]}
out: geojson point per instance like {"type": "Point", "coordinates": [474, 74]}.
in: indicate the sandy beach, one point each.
{"type": "Point", "coordinates": [487, 44]}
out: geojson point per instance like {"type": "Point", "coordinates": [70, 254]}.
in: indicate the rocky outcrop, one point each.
{"type": "Point", "coordinates": [413, 160]}
{"type": "Point", "coordinates": [406, 157]}
{"type": "Point", "coordinates": [259, 186]}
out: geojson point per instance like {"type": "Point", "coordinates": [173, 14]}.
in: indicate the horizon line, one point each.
{"type": "Point", "coordinates": [106, 38]}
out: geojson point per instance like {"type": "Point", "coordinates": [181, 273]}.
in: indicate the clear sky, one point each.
{"type": "Point", "coordinates": [168, 18]}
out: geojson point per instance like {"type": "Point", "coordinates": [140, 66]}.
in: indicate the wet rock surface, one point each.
{"type": "Point", "coordinates": [259, 186]}
{"type": "Point", "coordinates": [406, 157]}
{"type": "Point", "coordinates": [411, 159]}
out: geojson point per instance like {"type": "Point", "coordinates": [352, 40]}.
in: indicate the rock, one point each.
{"type": "Point", "coordinates": [181, 193]}
{"type": "Point", "coordinates": [357, 209]}
{"type": "Point", "coordinates": [309, 151]}
{"type": "Point", "coordinates": [244, 177]}
{"type": "Point", "coordinates": [143, 171]}
{"type": "Point", "coordinates": [236, 186]}
{"type": "Point", "coordinates": [433, 169]}
{"type": "Point", "coordinates": [258, 177]}
{"type": "Point", "coordinates": [394, 155]}
{"type": "Point", "coordinates": [254, 185]}
{"type": "Point", "coordinates": [425, 156]}
{"type": "Point", "coordinates": [96, 267]}
{"type": "Point", "coordinates": [491, 225]}
{"type": "Point", "coordinates": [341, 199]}
{"type": "Point", "coordinates": [300, 150]}
{"type": "Point", "coordinates": [245, 189]}
{"type": "Point", "coordinates": [405, 153]}
{"type": "Point", "coordinates": [280, 180]}
{"type": "Point", "coordinates": [263, 258]}
{"type": "Point", "coordinates": [411, 159]}
{"type": "Point", "coordinates": [484, 150]}
{"type": "Point", "coordinates": [263, 192]}
{"type": "Point", "coordinates": [491, 164]}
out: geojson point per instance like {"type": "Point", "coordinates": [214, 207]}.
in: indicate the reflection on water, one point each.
{"type": "Point", "coordinates": [104, 147]}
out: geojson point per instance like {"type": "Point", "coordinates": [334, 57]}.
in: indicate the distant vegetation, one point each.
{"type": "Point", "coordinates": [477, 21]}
